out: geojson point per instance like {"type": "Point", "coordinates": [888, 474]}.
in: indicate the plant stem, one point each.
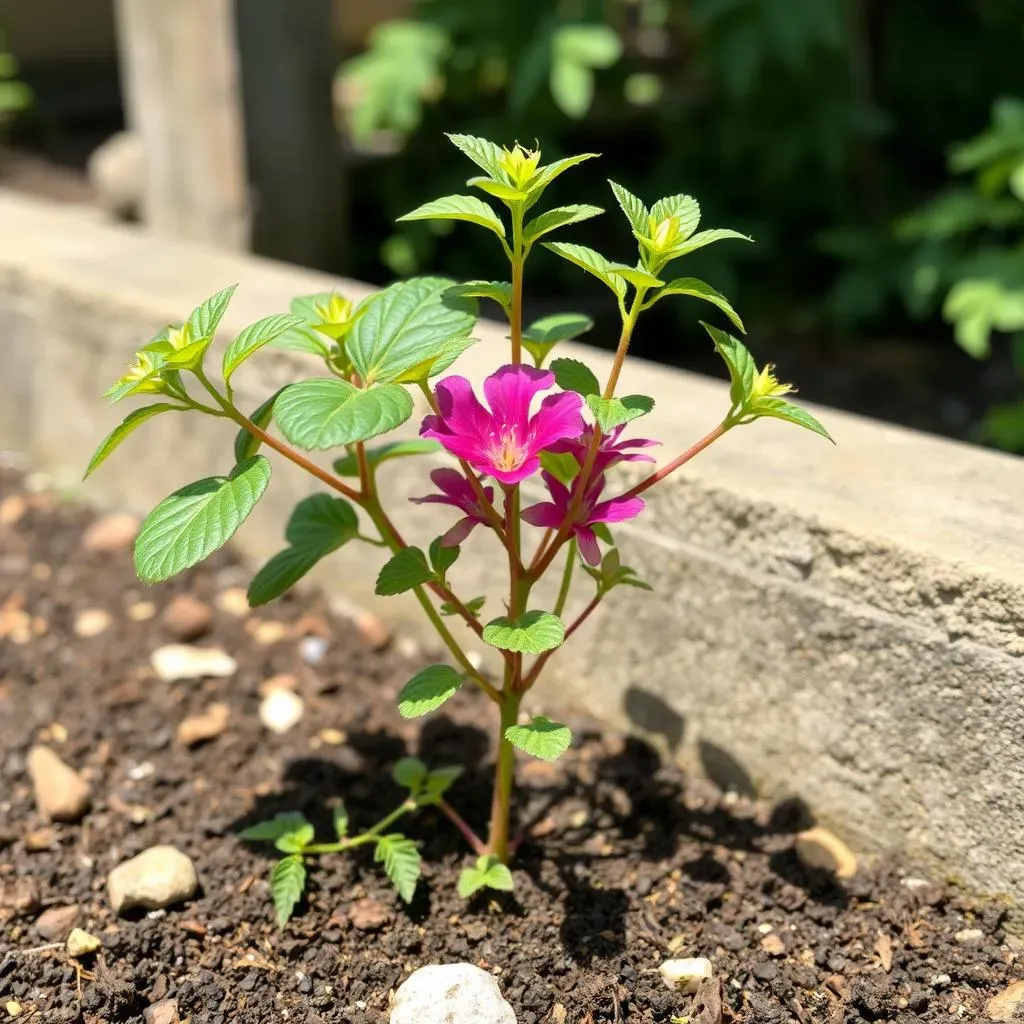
{"type": "Point", "coordinates": [476, 844]}
{"type": "Point", "coordinates": [515, 320]}
{"type": "Point", "coordinates": [563, 590]}
{"type": "Point", "coordinates": [690, 452]}
{"type": "Point", "coordinates": [498, 844]}
{"type": "Point", "coordinates": [350, 842]}
{"type": "Point", "coordinates": [624, 339]}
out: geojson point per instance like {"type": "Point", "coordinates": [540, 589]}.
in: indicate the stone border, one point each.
{"type": "Point", "coordinates": [845, 625]}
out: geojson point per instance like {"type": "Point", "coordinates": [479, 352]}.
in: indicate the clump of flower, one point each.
{"type": "Point", "coordinates": [547, 424]}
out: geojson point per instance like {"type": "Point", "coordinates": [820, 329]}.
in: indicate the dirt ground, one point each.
{"type": "Point", "coordinates": [626, 860]}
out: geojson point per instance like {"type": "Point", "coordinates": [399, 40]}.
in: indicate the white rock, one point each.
{"type": "Point", "coordinates": [116, 171]}
{"type": "Point", "coordinates": [685, 975]}
{"type": "Point", "coordinates": [233, 601]}
{"type": "Point", "coordinates": [450, 994]}
{"type": "Point", "coordinates": [61, 793]}
{"type": "Point", "coordinates": [281, 710]}
{"type": "Point", "coordinates": [158, 877]}
{"type": "Point", "coordinates": [968, 935]}
{"type": "Point", "coordinates": [819, 848]}
{"type": "Point", "coordinates": [1003, 1006]}
{"type": "Point", "coordinates": [312, 649]}
{"type": "Point", "coordinates": [181, 661]}
{"type": "Point", "coordinates": [81, 943]}
{"type": "Point", "coordinates": [205, 726]}
{"type": "Point", "coordinates": [91, 622]}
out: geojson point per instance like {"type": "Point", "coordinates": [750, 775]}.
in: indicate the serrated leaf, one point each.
{"type": "Point", "coordinates": [254, 337]}
{"type": "Point", "coordinates": [780, 409]}
{"type": "Point", "coordinates": [442, 558]}
{"type": "Point", "coordinates": [406, 324]}
{"type": "Point", "coordinates": [401, 862]}
{"type": "Point", "coordinates": [592, 262]}
{"type": "Point", "coordinates": [406, 569]}
{"type": "Point", "coordinates": [280, 573]}
{"type": "Point", "coordinates": [272, 830]}
{"type": "Point", "coordinates": [428, 690]}
{"type": "Point", "coordinates": [246, 444]}
{"type": "Point", "coordinates": [287, 884]}
{"type": "Point", "coordinates": [558, 327]}
{"type": "Point", "coordinates": [738, 360]}
{"type": "Point", "coordinates": [548, 173]}
{"type": "Point", "coordinates": [685, 209]}
{"type": "Point", "coordinates": [572, 375]}
{"type": "Point", "coordinates": [326, 412]}
{"type": "Point", "coordinates": [203, 320]}
{"type": "Point", "coordinates": [559, 217]}
{"type": "Point", "coordinates": [442, 356]}
{"type": "Point", "coordinates": [472, 606]}
{"type": "Point", "coordinates": [123, 430]}
{"type": "Point", "coordinates": [540, 738]}
{"type": "Point", "coordinates": [193, 522]}
{"type": "Point", "coordinates": [409, 773]}
{"type": "Point", "coordinates": [499, 189]}
{"type": "Point", "coordinates": [532, 633]}
{"type": "Point", "coordinates": [295, 841]}
{"type": "Point", "coordinates": [485, 154]}
{"type": "Point", "coordinates": [339, 820]}
{"type": "Point", "coordinates": [348, 465]}
{"type": "Point", "coordinates": [438, 782]}
{"type": "Point", "coordinates": [701, 290]}
{"type": "Point", "coordinates": [498, 291]}
{"type": "Point", "coordinates": [561, 465]}
{"type": "Point", "coordinates": [304, 337]}
{"type": "Point", "coordinates": [611, 412]}
{"type": "Point", "coordinates": [467, 208]}
{"type": "Point", "coordinates": [639, 277]}
{"type": "Point", "coordinates": [634, 209]}
{"type": "Point", "coordinates": [702, 238]}
{"type": "Point", "coordinates": [487, 873]}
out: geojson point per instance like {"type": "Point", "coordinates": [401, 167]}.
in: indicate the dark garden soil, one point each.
{"type": "Point", "coordinates": [627, 861]}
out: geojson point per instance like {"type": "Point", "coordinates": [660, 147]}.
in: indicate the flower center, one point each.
{"type": "Point", "coordinates": [507, 451]}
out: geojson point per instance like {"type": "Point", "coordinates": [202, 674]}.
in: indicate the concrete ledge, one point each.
{"type": "Point", "coordinates": [843, 624]}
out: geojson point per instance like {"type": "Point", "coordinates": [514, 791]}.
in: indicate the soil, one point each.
{"type": "Point", "coordinates": [626, 860]}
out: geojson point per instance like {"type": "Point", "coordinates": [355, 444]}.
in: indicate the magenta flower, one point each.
{"type": "Point", "coordinates": [611, 451]}
{"type": "Point", "coordinates": [552, 514]}
{"type": "Point", "coordinates": [505, 441]}
{"type": "Point", "coordinates": [457, 491]}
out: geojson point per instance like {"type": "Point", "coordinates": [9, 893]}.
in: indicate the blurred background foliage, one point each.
{"type": "Point", "coordinates": [15, 95]}
{"type": "Point", "coordinates": [820, 127]}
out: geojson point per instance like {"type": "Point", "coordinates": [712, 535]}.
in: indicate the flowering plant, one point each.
{"type": "Point", "coordinates": [552, 421]}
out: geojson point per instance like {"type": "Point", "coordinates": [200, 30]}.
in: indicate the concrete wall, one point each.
{"type": "Point", "coordinates": [843, 624]}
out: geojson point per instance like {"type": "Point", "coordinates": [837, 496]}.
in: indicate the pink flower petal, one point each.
{"type": "Point", "coordinates": [559, 417]}
{"type": "Point", "coordinates": [545, 514]}
{"type": "Point", "coordinates": [461, 411]}
{"type": "Point", "coordinates": [617, 510]}
{"type": "Point", "coordinates": [589, 548]}
{"type": "Point", "coordinates": [511, 390]}
{"type": "Point", "coordinates": [459, 532]}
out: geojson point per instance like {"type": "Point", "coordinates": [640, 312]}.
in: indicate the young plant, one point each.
{"type": "Point", "coordinates": [551, 420]}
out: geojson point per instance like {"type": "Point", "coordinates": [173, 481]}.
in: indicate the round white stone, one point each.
{"type": "Point", "coordinates": [450, 994]}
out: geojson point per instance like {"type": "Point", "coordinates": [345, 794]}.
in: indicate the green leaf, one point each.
{"type": "Point", "coordinates": [295, 841]}
{"type": "Point", "coordinates": [438, 782]}
{"type": "Point", "coordinates": [127, 426]}
{"type": "Point", "coordinates": [467, 208]}
{"type": "Point", "coordinates": [532, 633]}
{"type": "Point", "coordinates": [486, 155]}
{"type": "Point", "coordinates": [339, 820]}
{"type": "Point", "coordinates": [271, 831]}
{"type": "Point", "coordinates": [592, 262]}
{"type": "Point", "coordinates": [780, 409]}
{"type": "Point", "coordinates": [428, 690]}
{"type": "Point", "coordinates": [444, 354]}
{"type": "Point", "coordinates": [287, 884]}
{"type": "Point", "coordinates": [562, 466]}
{"type": "Point", "coordinates": [700, 290]}
{"type": "Point", "coordinates": [443, 558]}
{"type": "Point", "coordinates": [610, 412]}
{"type": "Point", "coordinates": [401, 862]}
{"type": "Point", "coordinates": [472, 606]}
{"type": "Point", "coordinates": [498, 291]}
{"type": "Point", "coordinates": [196, 520]}
{"type": "Point", "coordinates": [742, 369]}
{"type": "Point", "coordinates": [280, 573]}
{"type": "Point", "coordinates": [246, 444]}
{"type": "Point", "coordinates": [612, 573]}
{"type": "Point", "coordinates": [487, 873]}
{"type": "Point", "coordinates": [407, 569]}
{"type": "Point", "coordinates": [407, 324]}
{"type": "Point", "coordinates": [326, 412]}
{"type": "Point", "coordinates": [203, 320]}
{"type": "Point", "coordinates": [348, 465]}
{"type": "Point", "coordinates": [559, 217]}
{"type": "Point", "coordinates": [639, 277]}
{"type": "Point", "coordinates": [572, 375]}
{"type": "Point", "coordinates": [304, 337]}
{"type": "Point", "coordinates": [498, 189]}
{"type": "Point", "coordinates": [544, 334]}
{"type": "Point", "coordinates": [548, 173]}
{"type": "Point", "coordinates": [685, 209]}
{"type": "Point", "coordinates": [703, 238]}
{"type": "Point", "coordinates": [410, 773]}
{"type": "Point", "coordinates": [634, 209]}
{"type": "Point", "coordinates": [540, 738]}
{"type": "Point", "coordinates": [254, 337]}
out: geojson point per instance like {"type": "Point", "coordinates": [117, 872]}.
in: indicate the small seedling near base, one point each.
{"type": "Point", "coordinates": [542, 419]}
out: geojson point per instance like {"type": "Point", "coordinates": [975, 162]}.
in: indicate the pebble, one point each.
{"type": "Point", "coordinates": [110, 533]}
{"type": "Point", "coordinates": [81, 943]}
{"type": "Point", "coordinates": [372, 629]}
{"type": "Point", "coordinates": [284, 681]}
{"type": "Point", "coordinates": [312, 649]}
{"type": "Point", "coordinates": [685, 975]}
{"type": "Point", "coordinates": [56, 923]}
{"type": "Point", "coordinates": [1003, 1006]}
{"type": "Point", "coordinates": [180, 661]}
{"type": "Point", "coordinates": [941, 981]}
{"type": "Point", "coordinates": [61, 793]}
{"type": "Point", "coordinates": [187, 618]}
{"type": "Point", "coordinates": [91, 622]}
{"type": "Point", "coordinates": [821, 849]}
{"type": "Point", "coordinates": [766, 971]}
{"type": "Point", "coordinates": [12, 508]}
{"type": "Point", "coordinates": [41, 839]}
{"type": "Point", "coordinates": [20, 895]}
{"type": "Point", "coordinates": [444, 993]}
{"type": "Point", "coordinates": [204, 727]}
{"type": "Point", "coordinates": [968, 935]}
{"type": "Point", "coordinates": [773, 945]}
{"type": "Point", "coordinates": [141, 611]}
{"type": "Point", "coordinates": [368, 915]}
{"type": "Point", "coordinates": [163, 1012]}
{"type": "Point", "coordinates": [281, 710]}
{"type": "Point", "coordinates": [269, 632]}
{"type": "Point", "coordinates": [233, 601]}
{"type": "Point", "coordinates": [13, 1008]}
{"type": "Point", "coordinates": [157, 878]}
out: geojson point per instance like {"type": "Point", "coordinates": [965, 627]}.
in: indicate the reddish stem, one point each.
{"type": "Point", "coordinates": [690, 452]}
{"type": "Point", "coordinates": [476, 844]}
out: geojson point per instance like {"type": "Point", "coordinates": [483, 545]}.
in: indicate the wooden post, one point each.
{"type": "Point", "coordinates": [180, 78]}
{"type": "Point", "coordinates": [289, 58]}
